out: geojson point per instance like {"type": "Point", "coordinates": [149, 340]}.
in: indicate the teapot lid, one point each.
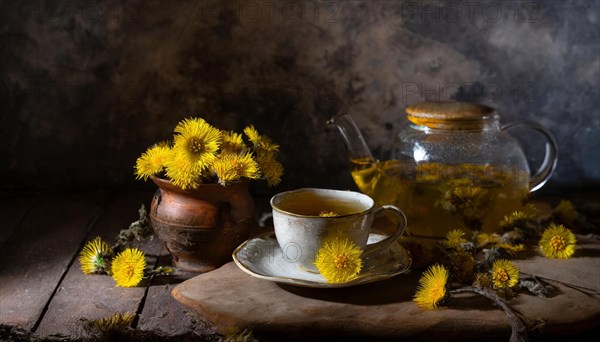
{"type": "Point", "coordinates": [445, 114]}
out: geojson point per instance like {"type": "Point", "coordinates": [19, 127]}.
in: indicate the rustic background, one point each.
{"type": "Point", "coordinates": [86, 86]}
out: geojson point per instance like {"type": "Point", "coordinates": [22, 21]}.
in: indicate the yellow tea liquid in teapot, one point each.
{"type": "Point", "coordinates": [437, 198]}
{"type": "Point", "coordinates": [452, 167]}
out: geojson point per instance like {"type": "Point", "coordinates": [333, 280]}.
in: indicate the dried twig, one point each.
{"type": "Point", "coordinates": [536, 286]}
{"type": "Point", "coordinates": [519, 324]}
{"type": "Point", "coordinates": [585, 290]}
{"type": "Point", "coordinates": [137, 230]}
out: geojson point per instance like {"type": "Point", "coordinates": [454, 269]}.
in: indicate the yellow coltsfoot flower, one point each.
{"type": "Point", "coordinates": [558, 242]}
{"type": "Point", "coordinates": [504, 274]}
{"type": "Point", "coordinates": [225, 172]}
{"type": "Point", "coordinates": [432, 287]}
{"type": "Point", "coordinates": [516, 219]}
{"type": "Point", "coordinates": [181, 172]}
{"type": "Point", "coordinates": [339, 260]}
{"type": "Point", "coordinates": [94, 256]}
{"type": "Point", "coordinates": [197, 139]}
{"type": "Point", "coordinates": [232, 167]}
{"type": "Point", "coordinates": [484, 239]}
{"type": "Point", "coordinates": [128, 267]}
{"type": "Point", "coordinates": [195, 148]}
{"type": "Point", "coordinates": [511, 249]}
{"type": "Point", "coordinates": [271, 169]}
{"type": "Point", "coordinates": [200, 153]}
{"type": "Point", "coordinates": [113, 323]}
{"type": "Point", "coordinates": [232, 143]}
{"type": "Point", "coordinates": [454, 239]}
{"type": "Point", "coordinates": [261, 143]}
{"type": "Point", "coordinates": [152, 161]}
{"type": "Point", "coordinates": [252, 135]}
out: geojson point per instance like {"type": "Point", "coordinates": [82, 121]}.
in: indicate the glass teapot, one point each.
{"type": "Point", "coordinates": [452, 167]}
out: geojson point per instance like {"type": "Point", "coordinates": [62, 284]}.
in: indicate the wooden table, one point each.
{"type": "Point", "coordinates": [42, 288]}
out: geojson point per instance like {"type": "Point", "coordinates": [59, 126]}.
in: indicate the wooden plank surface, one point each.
{"type": "Point", "coordinates": [35, 257]}
{"type": "Point", "coordinates": [96, 296]}
{"type": "Point", "coordinates": [162, 313]}
{"type": "Point", "coordinates": [385, 310]}
{"type": "Point", "coordinates": [12, 211]}
{"type": "Point", "coordinates": [42, 237]}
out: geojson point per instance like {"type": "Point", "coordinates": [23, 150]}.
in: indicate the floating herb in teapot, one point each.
{"type": "Point", "coordinates": [452, 167]}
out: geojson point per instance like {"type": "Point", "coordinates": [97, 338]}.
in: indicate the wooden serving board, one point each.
{"type": "Point", "coordinates": [231, 298]}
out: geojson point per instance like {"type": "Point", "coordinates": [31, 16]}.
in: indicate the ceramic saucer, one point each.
{"type": "Point", "coordinates": [262, 257]}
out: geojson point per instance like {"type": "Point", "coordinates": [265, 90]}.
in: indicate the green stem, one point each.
{"type": "Point", "coordinates": [160, 270]}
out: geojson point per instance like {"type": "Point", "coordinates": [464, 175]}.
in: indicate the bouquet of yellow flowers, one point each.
{"type": "Point", "coordinates": [201, 153]}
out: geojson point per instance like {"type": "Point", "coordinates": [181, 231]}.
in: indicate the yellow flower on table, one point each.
{"type": "Point", "coordinates": [558, 242]}
{"type": "Point", "coordinates": [454, 239]}
{"type": "Point", "coordinates": [339, 260]}
{"type": "Point", "coordinates": [516, 219]}
{"type": "Point", "coordinates": [152, 161]}
{"type": "Point", "coordinates": [504, 274]}
{"type": "Point", "coordinates": [128, 267]}
{"type": "Point", "coordinates": [94, 256]}
{"type": "Point", "coordinates": [511, 249]}
{"type": "Point", "coordinates": [484, 239]}
{"type": "Point", "coordinates": [432, 287]}
{"type": "Point", "coordinates": [112, 323]}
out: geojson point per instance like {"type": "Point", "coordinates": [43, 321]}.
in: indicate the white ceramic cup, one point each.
{"type": "Point", "coordinates": [300, 235]}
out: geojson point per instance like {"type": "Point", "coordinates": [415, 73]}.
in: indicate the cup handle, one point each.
{"type": "Point", "coordinates": [545, 170]}
{"type": "Point", "coordinates": [400, 227]}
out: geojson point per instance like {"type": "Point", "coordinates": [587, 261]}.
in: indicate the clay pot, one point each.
{"type": "Point", "coordinates": [201, 227]}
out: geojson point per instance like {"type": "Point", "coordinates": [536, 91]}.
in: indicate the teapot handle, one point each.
{"type": "Point", "coordinates": [545, 170]}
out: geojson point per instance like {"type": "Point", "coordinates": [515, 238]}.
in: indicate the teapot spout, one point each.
{"type": "Point", "coordinates": [355, 143]}
{"type": "Point", "coordinates": [363, 166]}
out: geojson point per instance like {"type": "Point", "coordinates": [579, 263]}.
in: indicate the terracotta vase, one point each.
{"type": "Point", "coordinates": [201, 227]}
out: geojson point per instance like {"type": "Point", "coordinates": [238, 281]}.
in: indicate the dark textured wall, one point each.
{"type": "Point", "coordinates": [87, 86]}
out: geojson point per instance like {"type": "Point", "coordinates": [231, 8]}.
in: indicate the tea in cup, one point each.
{"type": "Point", "coordinates": [305, 218]}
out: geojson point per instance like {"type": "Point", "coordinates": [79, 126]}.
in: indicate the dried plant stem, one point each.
{"type": "Point", "coordinates": [586, 290]}
{"type": "Point", "coordinates": [137, 230]}
{"type": "Point", "coordinates": [518, 327]}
